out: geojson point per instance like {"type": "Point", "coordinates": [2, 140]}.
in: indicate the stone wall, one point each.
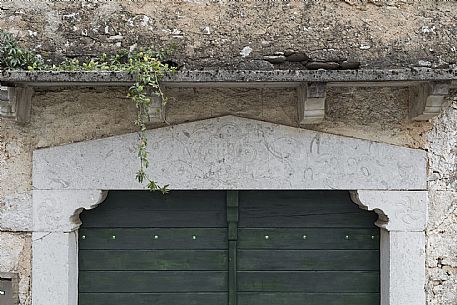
{"type": "Point", "coordinates": [228, 34]}
{"type": "Point", "coordinates": [240, 33]}
{"type": "Point", "coordinates": [442, 226]}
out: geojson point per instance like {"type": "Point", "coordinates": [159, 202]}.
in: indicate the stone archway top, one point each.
{"type": "Point", "coordinates": [232, 153]}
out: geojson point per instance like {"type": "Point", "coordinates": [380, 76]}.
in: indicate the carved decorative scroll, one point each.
{"type": "Point", "coordinates": [58, 211]}
{"type": "Point", "coordinates": [232, 153]}
{"type": "Point", "coordinates": [427, 100]}
{"type": "Point", "coordinates": [397, 210]}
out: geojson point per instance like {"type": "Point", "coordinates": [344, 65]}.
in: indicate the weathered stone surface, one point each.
{"type": "Point", "coordinates": [255, 64]}
{"type": "Point", "coordinates": [256, 72]}
{"type": "Point", "coordinates": [442, 226]}
{"type": "Point", "coordinates": [231, 152]}
{"type": "Point", "coordinates": [297, 57]}
{"type": "Point", "coordinates": [328, 65]}
{"type": "Point", "coordinates": [349, 65]}
{"type": "Point", "coordinates": [428, 100]}
{"type": "Point", "coordinates": [406, 265]}
{"type": "Point", "coordinates": [441, 248]}
{"type": "Point", "coordinates": [442, 143]}
{"type": "Point", "coordinates": [275, 59]}
{"type": "Point", "coordinates": [374, 32]}
{"type": "Point", "coordinates": [368, 113]}
{"type": "Point", "coordinates": [443, 209]}
{"type": "Point", "coordinates": [16, 212]}
{"type": "Point", "coordinates": [289, 52]}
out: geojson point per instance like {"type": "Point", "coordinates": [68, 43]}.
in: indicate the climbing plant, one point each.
{"type": "Point", "coordinates": [12, 56]}
{"type": "Point", "coordinates": [146, 65]}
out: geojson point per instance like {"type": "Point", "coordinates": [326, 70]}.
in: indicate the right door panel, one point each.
{"type": "Point", "coordinates": [313, 248]}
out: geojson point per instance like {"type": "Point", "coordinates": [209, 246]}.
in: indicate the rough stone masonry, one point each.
{"type": "Point", "coordinates": [258, 35]}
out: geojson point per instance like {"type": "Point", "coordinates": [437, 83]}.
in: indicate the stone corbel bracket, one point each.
{"type": "Point", "coordinates": [311, 102]}
{"type": "Point", "coordinates": [427, 99]}
{"type": "Point", "coordinates": [157, 110]}
{"type": "Point", "coordinates": [16, 102]}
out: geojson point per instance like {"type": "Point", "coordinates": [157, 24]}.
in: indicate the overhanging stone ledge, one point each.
{"type": "Point", "coordinates": [363, 77]}
{"type": "Point", "coordinates": [428, 87]}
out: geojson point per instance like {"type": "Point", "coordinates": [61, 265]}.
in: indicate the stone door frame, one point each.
{"type": "Point", "coordinates": [231, 153]}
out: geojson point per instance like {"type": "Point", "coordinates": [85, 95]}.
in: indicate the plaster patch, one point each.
{"type": "Point", "coordinates": [246, 51]}
{"type": "Point", "coordinates": [16, 211]}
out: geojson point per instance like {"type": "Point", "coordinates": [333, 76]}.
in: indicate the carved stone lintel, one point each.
{"type": "Point", "coordinates": [58, 211]}
{"type": "Point", "coordinates": [427, 100]}
{"type": "Point", "coordinates": [232, 153]}
{"type": "Point", "coordinates": [16, 102]}
{"type": "Point", "coordinates": [397, 210]}
{"type": "Point", "coordinates": [311, 103]}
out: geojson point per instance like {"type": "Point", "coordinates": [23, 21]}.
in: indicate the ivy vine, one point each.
{"type": "Point", "coordinates": [147, 66]}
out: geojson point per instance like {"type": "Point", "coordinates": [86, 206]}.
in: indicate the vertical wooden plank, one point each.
{"type": "Point", "coordinates": [232, 220]}
{"type": "Point", "coordinates": [232, 284]}
{"type": "Point", "coordinates": [232, 214]}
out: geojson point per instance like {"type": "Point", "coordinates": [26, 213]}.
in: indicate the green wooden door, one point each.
{"type": "Point", "coordinates": [228, 248]}
{"type": "Point", "coordinates": [313, 248]}
{"type": "Point", "coordinates": [142, 248]}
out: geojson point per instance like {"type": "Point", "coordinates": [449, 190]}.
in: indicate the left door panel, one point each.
{"type": "Point", "coordinates": [144, 248]}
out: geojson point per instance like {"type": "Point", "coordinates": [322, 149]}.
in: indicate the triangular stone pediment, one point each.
{"type": "Point", "coordinates": [232, 153]}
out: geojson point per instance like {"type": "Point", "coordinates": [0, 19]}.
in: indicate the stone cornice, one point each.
{"type": "Point", "coordinates": [428, 87]}
{"type": "Point", "coordinates": [370, 77]}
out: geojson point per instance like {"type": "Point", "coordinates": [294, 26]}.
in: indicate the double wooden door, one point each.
{"type": "Point", "coordinates": [228, 248]}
